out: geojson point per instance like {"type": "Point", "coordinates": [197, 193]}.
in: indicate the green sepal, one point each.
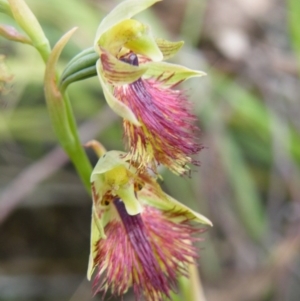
{"type": "Point", "coordinates": [98, 224]}
{"type": "Point", "coordinates": [146, 46]}
{"type": "Point", "coordinates": [95, 236]}
{"type": "Point", "coordinates": [108, 161]}
{"type": "Point", "coordinates": [167, 203]}
{"type": "Point", "coordinates": [168, 48]}
{"type": "Point", "coordinates": [125, 10]}
{"type": "Point", "coordinates": [170, 74]}
{"type": "Point", "coordinates": [132, 35]}
{"type": "Point", "coordinates": [117, 106]}
{"type": "Point", "coordinates": [142, 42]}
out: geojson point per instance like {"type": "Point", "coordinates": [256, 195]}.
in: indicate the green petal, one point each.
{"type": "Point", "coordinates": [118, 72]}
{"type": "Point", "coordinates": [171, 74]}
{"type": "Point", "coordinates": [117, 106]}
{"type": "Point", "coordinates": [167, 203]}
{"type": "Point", "coordinates": [132, 35]}
{"type": "Point", "coordinates": [101, 215]}
{"type": "Point", "coordinates": [95, 236]}
{"type": "Point", "coordinates": [107, 162]}
{"type": "Point", "coordinates": [131, 203]}
{"type": "Point", "coordinates": [168, 48]}
{"type": "Point", "coordinates": [146, 45]}
{"type": "Point", "coordinates": [113, 170]}
{"type": "Point", "coordinates": [125, 10]}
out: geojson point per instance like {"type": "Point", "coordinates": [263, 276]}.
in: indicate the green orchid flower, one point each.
{"type": "Point", "coordinates": [140, 236]}
{"type": "Point", "coordinates": [138, 84]}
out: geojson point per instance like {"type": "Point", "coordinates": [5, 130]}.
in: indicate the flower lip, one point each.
{"type": "Point", "coordinates": [137, 234]}
{"type": "Point", "coordinates": [168, 123]}
{"type": "Point", "coordinates": [168, 133]}
{"type": "Point", "coordinates": [146, 251]}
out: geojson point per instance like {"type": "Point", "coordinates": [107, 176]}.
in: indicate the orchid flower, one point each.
{"type": "Point", "coordinates": [141, 237]}
{"type": "Point", "coordinates": [159, 127]}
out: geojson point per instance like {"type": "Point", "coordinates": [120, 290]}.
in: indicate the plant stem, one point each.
{"type": "Point", "coordinates": [191, 287]}
{"type": "Point", "coordinates": [76, 151]}
{"type": "Point", "coordinates": [61, 114]}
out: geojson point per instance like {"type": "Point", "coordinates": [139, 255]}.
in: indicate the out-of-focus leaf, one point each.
{"type": "Point", "coordinates": [293, 19]}
{"type": "Point", "coordinates": [247, 199]}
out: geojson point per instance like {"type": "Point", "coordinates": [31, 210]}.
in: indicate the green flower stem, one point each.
{"type": "Point", "coordinates": [75, 150]}
{"type": "Point", "coordinates": [62, 117]}
{"type": "Point", "coordinates": [191, 287]}
{"type": "Point", "coordinates": [294, 31]}
{"type": "Point", "coordinates": [4, 8]}
{"type": "Point", "coordinates": [44, 50]}
{"type": "Point", "coordinates": [59, 106]}
{"type": "Point", "coordinates": [174, 297]}
{"type": "Point", "coordinates": [29, 23]}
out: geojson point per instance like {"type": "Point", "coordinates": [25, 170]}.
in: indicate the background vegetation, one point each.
{"type": "Point", "coordinates": [249, 180]}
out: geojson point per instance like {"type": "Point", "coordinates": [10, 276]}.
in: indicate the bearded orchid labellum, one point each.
{"type": "Point", "coordinates": [140, 236]}
{"type": "Point", "coordinates": [159, 127]}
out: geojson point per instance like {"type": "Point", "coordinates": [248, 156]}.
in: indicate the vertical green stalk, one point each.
{"type": "Point", "coordinates": [293, 20]}
{"type": "Point", "coordinates": [59, 106]}
{"type": "Point", "coordinates": [4, 8]}
{"type": "Point", "coordinates": [62, 117]}
{"type": "Point", "coordinates": [191, 287]}
{"type": "Point", "coordinates": [29, 23]}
